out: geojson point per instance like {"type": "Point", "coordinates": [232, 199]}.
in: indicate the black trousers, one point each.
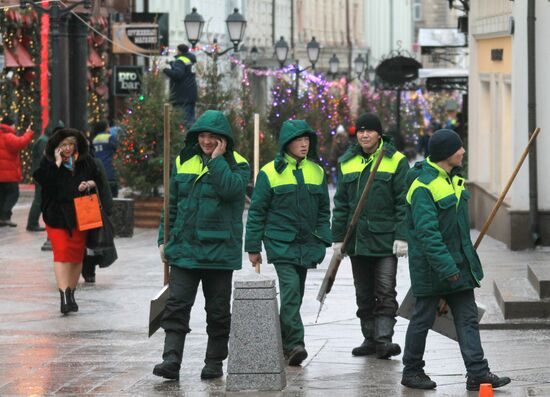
{"type": "Point", "coordinates": [9, 194]}
{"type": "Point", "coordinates": [216, 286]}
{"type": "Point", "coordinates": [374, 279]}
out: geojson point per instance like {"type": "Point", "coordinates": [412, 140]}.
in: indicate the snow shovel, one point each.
{"type": "Point", "coordinates": [158, 303]}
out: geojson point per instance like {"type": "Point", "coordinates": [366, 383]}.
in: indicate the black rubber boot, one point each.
{"type": "Point", "coordinates": [69, 296]}
{"type": "Point", "coordinates": [64, 304]}
{"type": "Point", "coordinates": [216, 352]}
{"type": "Point", "coordinates": [383, 333]}
{"type": "Point", "coordinates": [368, 346]}
{"type": "Point", "coordinates": [171, 356]}
{"type": "Point", "coordinates": [212, 370]}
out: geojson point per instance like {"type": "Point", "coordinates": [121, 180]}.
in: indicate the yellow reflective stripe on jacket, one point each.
{"type": "Point", "coordinates": [184, 59]}
{"type": "Point", "coordinates": [358, 163]}
{"type": "Point", "coordinates": [440, 187]}
{"type": "Point", "coordinates": [194, 164]}
{"type": "Point", "coordinates": [313, 174]}
{"type": "Point", "coordinates": [102, 138]}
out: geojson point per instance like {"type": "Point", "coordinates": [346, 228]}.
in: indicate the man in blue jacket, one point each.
{"type": "Point", "coordinates": [183, 85]}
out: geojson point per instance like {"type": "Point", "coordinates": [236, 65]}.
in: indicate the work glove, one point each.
{"type": "Point", "coordinates": [161, 250]}
{"type": "Point", "coordinates": [337, 247]}
{"type": "Point", "coordinates": [400, 248]}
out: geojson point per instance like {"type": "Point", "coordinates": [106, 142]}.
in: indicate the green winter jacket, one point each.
{"type": "Point", "coordinates": [290, 207]}
{"type": "Point", "coordinates": [383, 217]}
{"type": "Point", "coordinates": [439, 232]}
{"type": "Point", "coordinates": [206, 202]}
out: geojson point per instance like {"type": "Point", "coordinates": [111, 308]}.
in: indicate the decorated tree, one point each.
{"type": "Point", "coordinates": [19, 86]}
{"type": "Point", "coordinates": [139, 159]}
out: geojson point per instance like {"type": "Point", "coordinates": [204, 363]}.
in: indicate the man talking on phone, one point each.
{"type": "Point", "coordinates": [207, 191]}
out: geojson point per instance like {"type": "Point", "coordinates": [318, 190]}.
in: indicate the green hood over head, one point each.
{"type": "Point", "coordinates": [212, 121]}
{"type": "Point", "coordinates": [290, 130]}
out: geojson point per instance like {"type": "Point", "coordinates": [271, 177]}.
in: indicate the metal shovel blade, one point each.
{"type": "Point", "coordinates": [443, 324]}
{"type": "Point", "coordinates": [158, 303]}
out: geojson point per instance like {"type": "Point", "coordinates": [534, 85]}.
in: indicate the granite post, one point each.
{"type": "Point", "coordinates": [255, 347]}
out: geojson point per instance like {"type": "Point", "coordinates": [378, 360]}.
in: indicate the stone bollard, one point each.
{"type": "Point", "coordinates": [255, 347]}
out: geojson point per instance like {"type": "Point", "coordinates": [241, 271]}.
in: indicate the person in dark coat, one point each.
{"type": "Point", "coordinates": [66, 171]}
{"type": "Point", "coordinates": [183, 84]}
{"type": "Point", "coordinates": [38, 149]}
{"type": "Point", "coordinates": [105, 146]}
{"type": "Point", "coordinates": [424, 141]}
{"type": "Point", "coordinates": [443, 262]}
{"type": "Point", "coordinates": [207, 193]}
{"type": "Point", "coordinates": [10, 167]}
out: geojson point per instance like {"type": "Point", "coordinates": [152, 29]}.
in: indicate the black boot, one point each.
{"type": "Point", "coordinates": [69, 296]}
{"type": "Point", "coordinates": [216, 352]}
{"type": "Point", "coordinates": [64, 304]}
{"type": "Point", "coordinates": [368, 346]}
{"type": "Point", "coordinates": [383, 333]}
{"type": "Point", "coordinates": [171, 356]}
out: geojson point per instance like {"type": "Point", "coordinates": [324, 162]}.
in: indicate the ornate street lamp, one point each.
{"type": "Point", "coordinates": [236, 26]}
{"type": "Point", "coordinates": [194, 22]}
{"type": "Point", "coordinates": [281, 51]}
{"type": "Point", "coordinates": [333, 64]}
{"type": "Point", "coordinates": [313, 50]}
{"type": "Point", "coordinates": [359, 65]}
{"type": "Point", "coordinates": [254, 54]}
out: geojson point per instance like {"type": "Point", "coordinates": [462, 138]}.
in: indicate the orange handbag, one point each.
{"type": "Point", "coordinates": [88, 213]}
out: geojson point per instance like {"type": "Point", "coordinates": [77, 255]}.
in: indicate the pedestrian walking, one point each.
{"type": "Point", "coordinates": [290, 213]}
{"type": "Point", "coordinates": [379, 237]}
{"type": "Point", "coordinates": [105, 145]}
{"type": "Point", "coordinates": [66, 171]}
{"type": "Point", "coordinates": [424, 140]}
{"type": "Point", "coordinates": [340, 143]}
{"type": "Point", "coordinates": [11, 146]}
{"type": "Point", "coordinates": [443, 263]}
{"type": "Point", "coordinates": [207, 191]}
{"type": "Point", "coordinates": [38, 149]}
{"type": "Point", "coordinates": [183, 84]}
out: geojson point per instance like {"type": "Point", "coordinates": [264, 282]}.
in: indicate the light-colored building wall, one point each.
{"type": "Point", "coordinates": [499, 110]}
{"type": "Point", "coordinates": [388, 26]}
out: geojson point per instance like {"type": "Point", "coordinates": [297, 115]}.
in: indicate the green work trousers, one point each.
{"type": "Point", "coordinates": [292, 280]}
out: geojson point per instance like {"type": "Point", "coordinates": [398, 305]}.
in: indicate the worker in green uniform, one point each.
{"type": "Point", "coordinates": [207, 192]}
{"type": "Point", "coordinates": [290, 213]}
{"type": "Point", "coordinates": [379, 237]}
{"type": "Point", "coordinates": [443, 263]}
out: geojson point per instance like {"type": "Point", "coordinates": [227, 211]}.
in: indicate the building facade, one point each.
{"type": "Point", "coordinates": [499, 119]}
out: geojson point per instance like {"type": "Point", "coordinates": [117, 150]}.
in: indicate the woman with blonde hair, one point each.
{"type": "Point", "coordinates": [66, 171]}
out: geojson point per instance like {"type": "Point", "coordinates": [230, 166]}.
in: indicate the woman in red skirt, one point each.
{"type": "Point", "coordinates": [66, 171]}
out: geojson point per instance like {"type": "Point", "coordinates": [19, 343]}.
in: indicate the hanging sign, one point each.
{"type": "Point", "coordinates": [127, 79]}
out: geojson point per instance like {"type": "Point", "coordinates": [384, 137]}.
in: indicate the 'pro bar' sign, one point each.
{"type": "Point", "coordinates": [127, 79]}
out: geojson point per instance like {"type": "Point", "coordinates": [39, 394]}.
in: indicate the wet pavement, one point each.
{"type": "Point", "coordinates": [103, 350]}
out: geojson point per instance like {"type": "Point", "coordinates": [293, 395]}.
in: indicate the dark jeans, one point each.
{"type": "Point", "coordinates": [34, 212]}
{"type": "Point", "coordinates": [9, 194]}
{"type": "Point", "coordinates": [216, 286]}
{"type": "Point", "coordinates": [374, 280]}
{"type": "Point", "coordinates": [292, 280]}
{"type": "Point", "coordinates": [464, 309]}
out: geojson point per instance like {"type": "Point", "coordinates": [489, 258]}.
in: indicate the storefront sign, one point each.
{"type": "Point", "coordinates": [127, 79]}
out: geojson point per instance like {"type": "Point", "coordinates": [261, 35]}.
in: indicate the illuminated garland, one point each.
{"type": "Point", "coordinates": [20, 95]}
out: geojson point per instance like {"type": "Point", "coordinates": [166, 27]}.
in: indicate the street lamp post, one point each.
{"type": "Point", "coordinates": [236, 26]}
{"type": "Point", "coordinates": [58, 82]}
{"type": "Point", "coordinates": [313, 50]}
{"type": "Point", "coordinates": [333, 64]}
